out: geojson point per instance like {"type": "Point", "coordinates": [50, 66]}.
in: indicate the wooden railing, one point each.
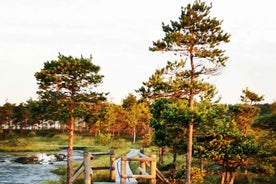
{"type": "Point", "coordinates": [158, 172]}
{"type": "Point", "coordinates": [85, 166]}
{"type": "Point", "coordinates": [147, 168]}
{"type": "Point", "coordinates": [143, 171]}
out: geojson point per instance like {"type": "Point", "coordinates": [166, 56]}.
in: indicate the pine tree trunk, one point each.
{"type": "Point", "coordinates": [201, 165]}
{"type": "Point", "coordinates": [70, 148]}
{"type": "Point", "coordinates": [191, 122]}
{"type": "Point", "coordinates": [62, 127]}
{"type": "Point", "coordinates": [161, 155]}
{"type": "Point", "coordinates": [227, 178]}
{"type": "Point", "coordinates": [174, 154]}
{"type": "Point", "coordinates": [222, 178]}
{"type": "Point", "coordinates": [189, 153]}
{"type": "Point", "coordinates": [232, 178]}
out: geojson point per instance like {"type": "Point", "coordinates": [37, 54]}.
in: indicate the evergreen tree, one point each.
{"type": "Point", "coordinates": [195, 37]}
{"type": "Point", "coordinates": [68, 84]}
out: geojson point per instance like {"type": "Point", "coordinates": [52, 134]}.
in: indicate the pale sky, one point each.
{"type": "Point", "coordinates": [118, 34]}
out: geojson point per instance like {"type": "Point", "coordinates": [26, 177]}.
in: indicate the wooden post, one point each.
{"type": "Point", "coordinates": [153, 169]}
{"type": "Point", "coordinates": [143, 167]}
{"type": "Point", "coordinates": [87, 167]}
{"type": "Point", "coordinates": [123, 169]}
{"type": "Point", "coordinates": [112, 165]}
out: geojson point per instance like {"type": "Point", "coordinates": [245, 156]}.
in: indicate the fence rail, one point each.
{"type": "Point", "coordinates": [143, 173]}
{"type": "Point", "coordinates": [147, 168]}
{"type": "Point", "coordinates": [85, 166]}
{"type": "Point", "coordinates": [158, 172]}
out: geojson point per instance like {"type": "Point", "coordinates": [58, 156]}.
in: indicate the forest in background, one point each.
{"type": "Point", "coordinates": [238, 138]}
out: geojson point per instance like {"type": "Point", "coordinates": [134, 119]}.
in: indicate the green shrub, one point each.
{"type": "Point", "coordinates": [147, 139]}
{"type": "Point", "coordinates": [103, 139]}
{"type": "Point", "coordinates": [61, 170]}
{"type": "Point", "coordinates": [119, 143]}
{"type": "Point", "coordinates": [31, 134]}
{"type": "Point", "coordinates": [13, 139]}
{"type": "Point", "coordinates": [196, 175]}
{"type": "Point", "coordinates": [211, 179]}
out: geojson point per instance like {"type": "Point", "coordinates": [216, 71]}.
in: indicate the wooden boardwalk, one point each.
{"type": "Point", "coordinates": [128, 170]}
{"type": "Point", "coordinates": [118, 170]}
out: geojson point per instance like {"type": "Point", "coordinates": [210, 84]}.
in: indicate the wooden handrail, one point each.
{"type": "Point", "coordinates": [144, 175]}
{"type": "Point", "coordinates": [85, 166]}
{"type": "Point", "coordinates": [158, 172]}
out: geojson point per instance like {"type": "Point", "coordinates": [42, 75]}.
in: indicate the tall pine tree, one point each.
{"type": "Point", "coordinates": [196, 38]}
{"type": "Point", "coordinates": [68, 84]}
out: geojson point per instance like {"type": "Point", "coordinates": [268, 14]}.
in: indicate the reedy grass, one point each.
{"type": "Point", "coordinates": [27, 145]}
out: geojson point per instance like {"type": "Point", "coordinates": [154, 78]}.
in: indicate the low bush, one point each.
{"type": "Point", "coordinates": [103, 139]}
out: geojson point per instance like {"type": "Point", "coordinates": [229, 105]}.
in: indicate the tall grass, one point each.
{"type": "Point", "coordinates": [27, 145]}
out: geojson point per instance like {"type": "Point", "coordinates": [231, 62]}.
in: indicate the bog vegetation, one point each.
{"type": "Point", "coordinates": [178, 115]}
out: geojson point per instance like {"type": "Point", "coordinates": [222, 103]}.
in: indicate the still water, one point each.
{"type": "Point", "coordinates": [16, 173]}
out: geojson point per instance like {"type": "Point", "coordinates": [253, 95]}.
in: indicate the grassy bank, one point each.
{"type": "Point", "coordinates": [33, 142]}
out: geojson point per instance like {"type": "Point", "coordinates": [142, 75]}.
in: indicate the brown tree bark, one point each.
{"type": "Point", "coordinates": [70, 147]}
{"type": "Point", "coordinates": [161, 155]}
{"type": "Point", "coordinates": [191, 122]}
{"type": "Point", "coordinates": [227, 178]}
{"type": "Point", "coordinates": [189, 153]}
